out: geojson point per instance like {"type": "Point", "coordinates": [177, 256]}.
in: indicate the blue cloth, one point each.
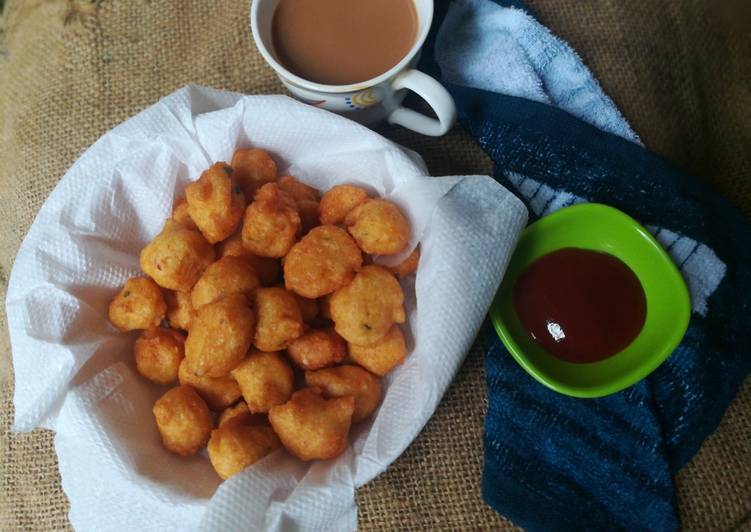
{"type": "Point", "coordinates": [554, 462]}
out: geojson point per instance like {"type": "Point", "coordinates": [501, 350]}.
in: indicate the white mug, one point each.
{"type": "Point", "coordinates": [370, 101]}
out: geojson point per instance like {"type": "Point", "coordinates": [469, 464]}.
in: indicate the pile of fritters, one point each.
{"type": "Point", "coordinates": [262, 303]}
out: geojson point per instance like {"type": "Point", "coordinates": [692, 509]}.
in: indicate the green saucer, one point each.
{"type": "Point", "coordinates": [601, 228]}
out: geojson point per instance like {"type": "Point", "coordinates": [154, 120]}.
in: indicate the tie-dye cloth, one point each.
{"type": "Point", "coordinates": [554, 462]}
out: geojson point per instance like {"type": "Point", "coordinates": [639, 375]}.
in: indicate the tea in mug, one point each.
{"type": "Point", "coordinates": [338, 42]}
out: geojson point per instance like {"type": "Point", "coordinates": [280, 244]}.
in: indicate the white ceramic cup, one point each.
{"type": "Point", "coordinates": [373, 100]}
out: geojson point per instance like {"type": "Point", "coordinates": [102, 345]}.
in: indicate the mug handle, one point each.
{"type": "Point", "coordinates": [434, 94]}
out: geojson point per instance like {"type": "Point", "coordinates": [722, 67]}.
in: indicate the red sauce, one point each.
{"type": "Point", "coordinates": [580, 305]}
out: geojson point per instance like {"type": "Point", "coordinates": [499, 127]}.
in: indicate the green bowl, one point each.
{"type": "Point", "coordinates": [601, 228]}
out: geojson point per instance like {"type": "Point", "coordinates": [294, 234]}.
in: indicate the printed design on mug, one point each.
{"type": "Point", "coordinates": [314, 103]}
{"type": "Point", "coordinates": [363, 99]}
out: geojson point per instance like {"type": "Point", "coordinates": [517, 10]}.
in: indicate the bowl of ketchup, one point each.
{"type": "Point", "coordinates": [591, 303]}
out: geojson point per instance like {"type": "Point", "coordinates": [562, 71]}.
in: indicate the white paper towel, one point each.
{"type": "Point", "coordinates": [74, 372]}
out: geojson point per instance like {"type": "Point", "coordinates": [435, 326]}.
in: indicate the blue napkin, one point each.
{"type": "Point", "coordinates": [554, 462]}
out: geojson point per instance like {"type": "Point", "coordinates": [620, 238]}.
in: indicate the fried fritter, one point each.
{"type": "Point", "coordinates": [138, 305]}
{"type": "Point", "coordinates": [158, 353]}
{"type": "Point", "coordinates": [253, 168]}
{"type": "Point", "coordinates": [296, 190]}
{"type": "Point", "coordinates": [271, 223]}
{"type": "Point", "coordinates": [311, 427]}
{"type": "Point", "coordinates": [306, 200]}
{"type": "Point", "coordinates": [342, 381]}
{"type": "Point", "coordinates": [279, 320]}
{"type": "Point", "coordinates": [220, 336]}
{"type": "Point", "coordinates": [180, 312]}
{"type": "Point", "coordinates": [317, 349]}
{"type": "Point", "coordinates": [177, 257]}
{"type": "Point", "coordinates": [364, 310]}
{"type": "Point", "coordinates": [233, 447]}
{"type": "Point", "coordinates": [218, 392]}
{"type": "Point", "coordinates": [339, 201]}
{"type": "Point", "coordinates": [265, 379]}
{"type": "Point", "coordinates": [183, 419]}
{"type": "Point", "coordinates": [267, 269]}
{"type": "Point", "coordinates": [323, 261]}
{"type": "Point", "coordinates": [228, 275]}
{"type": "Point", "coordinates": [383, 356]}
{"type": "Point", "coordinates": [240, 414]}
{"type": "Point", "coordinates": [232, 246]}
{"type": "Point", "coordinates": [408, 266]}
{"type": "Point", "coordinates": [181, 216]}
{"type": "Point", "coordinates": [379, 227]}
{"type": "Point", "coordinates": [216, 202]}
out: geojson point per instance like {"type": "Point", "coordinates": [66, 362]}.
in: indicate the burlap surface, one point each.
{"type": "Point", "coordinates": [70, 70]}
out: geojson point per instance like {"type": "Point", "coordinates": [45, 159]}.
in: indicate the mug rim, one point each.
{"type": "Point", "coordinates": [286, 75]}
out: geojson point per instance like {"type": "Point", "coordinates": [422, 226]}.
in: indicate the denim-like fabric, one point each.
{"type": "Point", "coordinates": [559, 463]}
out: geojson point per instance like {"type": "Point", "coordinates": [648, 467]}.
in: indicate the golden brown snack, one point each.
{"type": "Point", "coordinates": [308, 308]}
{"type": "Point", "coordinates": [306, 200]}
{"type": "Point", "coordinates": [296, 190]}
{"type": "Point", "coordinates": [233, 447]}
{"type": "Point", "coordinates": [265, 379]}
{"type": "Point", "coordinates": [232, 246]}
{"type": "Point", "coordinates": [342, 381]}
{"type": "Point", "coordinates": [172, 225]}
{"type": "Point", "coordinates": [408, 266]}
{"type": "Point", "coordinates": [220, 336]}
{"type": "Point", "coordinates": [364, 310]}
{"type": "Point", "coordinates": [228, 275]}
{"type": "Point", "coordinates": [183, 419]}
{"type": "Point", "coordinates": [339, 201]}
{"type": "Point", "coordinates": [180, 312]}
{"type": "Point", "coordinates": [240, 415]}
{"type": "Point", "coordinates": [176, 258]}
{"type": "Point", "coordinates": [379, 227]}
{"type": "Point", "coordinates": [267, 269]}
{"type": "Point", "coordinates": [311, 427]}
{"type": "Point", "coordinates": [216, 202]}
{"type": "Point", "coordinates": [317, 349]}
{"type": "Point", "coordinates": [181, 216]}
{"type": "Point", "coordinates": [271, 223]}
{"type": "Point", "coordinates": [138, 305]}
{"type": "Point", "coordinates": [382, 357]}
{"type": "Point", "coordinates": [253, 169]}
{"type": "Point", "coordinates": [218, 392]}
{"type": "Point", "coordinates": [279, 320]}
{"type": "Point", "coordinates": [323, 261]}
{"type": "Point", "coordinates": [158, 353]}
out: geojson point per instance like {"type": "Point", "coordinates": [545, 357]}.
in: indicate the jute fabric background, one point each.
{"type": "Point", "coordinates": [72, 69]}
